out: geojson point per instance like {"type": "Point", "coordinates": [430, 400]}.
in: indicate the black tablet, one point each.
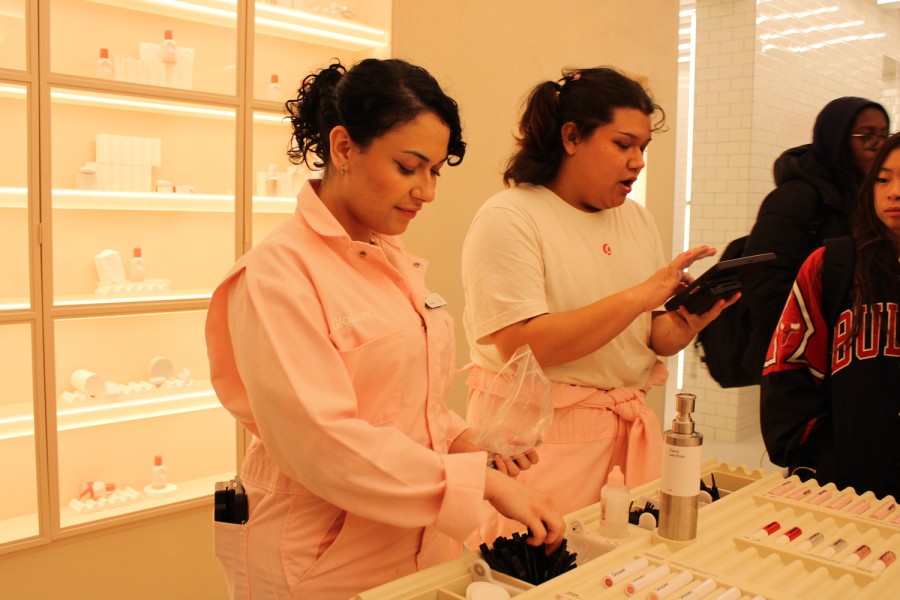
{"type": "Point", "coordinates": [722, 280]}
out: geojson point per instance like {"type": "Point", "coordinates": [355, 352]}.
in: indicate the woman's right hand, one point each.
{"type": "Point", "coordinates": [671, 279]}
{"type": "Point", "coordinates": [533, 509]}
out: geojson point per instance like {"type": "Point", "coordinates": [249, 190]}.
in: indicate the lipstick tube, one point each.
{"type": "Point", "coordinates": [883, 561]}
{"type": "Point", "coordinates": [705, 587]}
{"type": "Point", "coordinates": [821, 497]}
{"type": "Point", "coordinates": [811, 541]}
{"type": "Point", "coordinates": [841, 502]}
{"type": "Point", "coordinates": [619, 574]}
{"type": "Point", "coordinates": [781, 489]}
{"type": "Point", "coordinates": [884, 510]}
{"type": "Point", "coordinates": [858, 554]}
{"type": "Point", "coordinates": [646, 579]}
{"type": "Point", "coordinates": [834, 548]}
{"type": "Point", "coordinates": [789, 536]}
{"type": "Point", "coordinates": [671, 586]}
{"type": "Point", "coordinates": [765, 531]}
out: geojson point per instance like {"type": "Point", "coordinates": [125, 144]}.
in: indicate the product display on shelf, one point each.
{"type": "Point", "coordinates": [115, 498]}
{"type": "Point", "coordinates": [123, 163]}
{"type": "Point", "coordinates": [285, 184]}
{"type": "Point", "coordinates": [111, 275]}
{"type": "Point", "coordinates": [91, 387]}
{"type": "Point", "coordinates": [164, 64]}
{"type": "Point", "coordinates": [761, 540]}
{"type": "Point", "coordinates": [77, 410]}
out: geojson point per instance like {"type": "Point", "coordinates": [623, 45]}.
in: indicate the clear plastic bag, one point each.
{"type": "Point", "coordinates": [516, 409]}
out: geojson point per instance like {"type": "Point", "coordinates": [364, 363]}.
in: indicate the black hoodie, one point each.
{"type": "Point", "coordinates": [815, 195]}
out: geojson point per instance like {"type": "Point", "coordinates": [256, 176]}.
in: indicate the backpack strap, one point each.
{"type": "Point", "coordinates": [837, 276]}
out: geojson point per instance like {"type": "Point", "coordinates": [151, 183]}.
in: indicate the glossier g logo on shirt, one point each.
{"type": "Point", "coordinates": [607, 249]}
{"type": "Point", "coordinates": [339, 322]}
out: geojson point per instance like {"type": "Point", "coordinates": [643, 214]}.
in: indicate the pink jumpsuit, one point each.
{"type": "Point", "coordinates": [325, 350]}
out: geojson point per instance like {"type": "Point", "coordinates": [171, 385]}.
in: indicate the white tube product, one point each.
{"type": "Point", "coordinates": [680, 482]}
{"type": "Point", "coordinates": [614, 502]}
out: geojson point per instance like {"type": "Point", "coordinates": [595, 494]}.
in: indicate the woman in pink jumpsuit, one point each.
{"type": "Point", "coordinates": [326, 345]}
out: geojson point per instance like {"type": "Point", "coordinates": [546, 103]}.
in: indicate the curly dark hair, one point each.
{"type": "Point", "coordinates": [586, 97]}
{"type": "Point", "coordinates": [369, 99]}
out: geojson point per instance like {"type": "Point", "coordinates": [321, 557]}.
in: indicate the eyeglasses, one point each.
{"type": "Point", "coordinates": [871, 140]}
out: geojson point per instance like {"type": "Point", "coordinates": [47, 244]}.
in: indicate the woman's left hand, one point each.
{"type": "Point", "coordinates": [689, 324]}
{"type": "Point", "coordinates": [508, 465]}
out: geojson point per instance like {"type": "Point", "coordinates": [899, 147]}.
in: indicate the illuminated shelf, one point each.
{"type": "Point", "coordinates": [17, 420]}
{"type": "Point", "coordinates": [153, 201]}
{"type": "Point", "coordinates": [82, 299]}
{"type": "Point", "coordinates": [273, 205]}
{"type": "Point", "coordinates": [271, 20]}
{"type": "Point", "coordinates": [13, 197]}
{"type": "Point", "coordinates": [19, 528]}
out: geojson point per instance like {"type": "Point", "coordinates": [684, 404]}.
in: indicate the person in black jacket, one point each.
{"type": "Point", "coordinates": [814, 198]}
{"type": "Point", "coordinates": [830, 401]}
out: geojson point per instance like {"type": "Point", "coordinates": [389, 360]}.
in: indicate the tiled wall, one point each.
{"type": "Point", "coordinates": [764, 69]}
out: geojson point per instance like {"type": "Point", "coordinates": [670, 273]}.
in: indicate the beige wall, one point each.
{"type": "Point", "coordinates": [169, 557]}
{"type": "Point", "coordinates": [488, 55]}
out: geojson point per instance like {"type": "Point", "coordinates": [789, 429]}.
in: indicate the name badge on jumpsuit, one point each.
{"type": "Point", "coordinates": [434, 300]}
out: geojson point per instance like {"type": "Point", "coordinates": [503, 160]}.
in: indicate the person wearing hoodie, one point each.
{"type": "Point", "coordinates": [814, 198]}
{"type": "Point", "coordinates": [830, 394]}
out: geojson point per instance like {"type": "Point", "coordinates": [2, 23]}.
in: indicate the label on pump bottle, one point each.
{"type": "Point", "coordinates": [681, 470]}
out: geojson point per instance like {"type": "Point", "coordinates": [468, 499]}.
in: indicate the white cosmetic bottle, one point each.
{"type": "Point", "coordinates": [158, 474]}
{"type": "Point", "coordinates": [679, 491]}
{"type": "Point", "coordinates": [136, 270]}
{"type": "Point", "coordinates": [615, 499]}
{"type": "Point", "coordinates": [168, 52]}
{"type": "Point", "coordinates": [104, 65]}
{"type": "Point", "coordinates": [159, 486]}
{"type": "Point", "coordinates": [274, 91]}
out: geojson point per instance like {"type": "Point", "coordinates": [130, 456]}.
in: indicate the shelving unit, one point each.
{"type": "Point", "coordinates": [213, 138]}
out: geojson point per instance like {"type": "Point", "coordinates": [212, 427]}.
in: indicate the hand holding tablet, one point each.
{"type": "Point", "coordinates": [722, 280]}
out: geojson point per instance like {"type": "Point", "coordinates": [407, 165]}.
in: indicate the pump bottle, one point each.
{"type": "Point", "coordinates": [679, 491]}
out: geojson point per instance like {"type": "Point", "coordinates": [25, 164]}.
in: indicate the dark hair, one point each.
{"type": "Point", "coordinates": [586, 97]}
{"type": "Point", "coordinates": [370, 99]}
{"type": "Point", "coordinates": [876, 273]}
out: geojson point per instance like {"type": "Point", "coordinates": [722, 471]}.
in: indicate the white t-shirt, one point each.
{"type": "Point", "coordinates": [528, 253]}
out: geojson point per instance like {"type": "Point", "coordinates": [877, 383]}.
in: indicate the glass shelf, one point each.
{"type": "Point", "coordinates": [271, 20]}
{"type": "Point", "coordinates": [17, 420]}
{"type": "Point", "coordinates": [13, 40]}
